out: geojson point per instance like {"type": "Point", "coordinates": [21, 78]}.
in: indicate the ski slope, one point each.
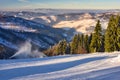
{"type": "Point", "coordinates": [97, 66]}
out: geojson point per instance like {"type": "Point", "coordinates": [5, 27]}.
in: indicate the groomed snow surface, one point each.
{"type": "Point", "coordinates": [96, 66]}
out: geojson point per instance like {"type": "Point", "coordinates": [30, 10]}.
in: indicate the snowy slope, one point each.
{"type": "Point", "coordinates": [13, 29]}
{"type": "Point", "coordinates": [76, 67]}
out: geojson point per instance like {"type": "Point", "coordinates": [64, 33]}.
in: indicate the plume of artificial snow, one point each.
{"type": "Point", "coordinates": [26, 51]}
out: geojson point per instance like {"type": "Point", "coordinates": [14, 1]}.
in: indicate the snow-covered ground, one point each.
{"type": "Point", "coordinates": [97, 66]}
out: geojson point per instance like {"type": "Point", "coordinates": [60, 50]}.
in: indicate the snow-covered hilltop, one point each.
{"type": "Point", "coordinates": [98, 66]}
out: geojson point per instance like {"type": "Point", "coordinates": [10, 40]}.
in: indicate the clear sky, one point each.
{"type": "Point", "coordinates": [60, 4]}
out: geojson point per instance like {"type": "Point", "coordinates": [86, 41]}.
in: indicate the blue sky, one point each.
{"type": "Point", "coordinates": [62, 4]}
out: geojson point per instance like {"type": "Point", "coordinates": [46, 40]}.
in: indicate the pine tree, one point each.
{"type": "Point", "coordinates": [68, 50]}
{"type": "Point", "coordinates": [108, 34]}
{"type": "Point", "coordinates": [96, 42]}
{"type": "Point", "coordinates": [112, 34]}
{"type": "Point", "coordinates": [62, 46]}
{"type": "Point", "coordinates": [82, 41]}
{"type": "Point", "coordinates": [118, 33]}
{"type": "Point", "coordinates": [86, 43]}
{"type": "Point", "coordinates": [74, 44]}
{"type": "Point", "coordinates": [118, 36]}
{"type": "Point", "coordinates": [89, 41]}
{"type": "Point", "coordinates": [78, 45]}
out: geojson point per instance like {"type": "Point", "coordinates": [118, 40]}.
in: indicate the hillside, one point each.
{"type": "Point", "coordinates": [15, 31]}
{"type": "Point", "coordinates": [83, 21]}
{"type": "Point", "coordinates": [97, 66]}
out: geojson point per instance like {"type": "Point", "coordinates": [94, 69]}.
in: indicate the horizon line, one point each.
{"type": "Point", "coordinates": [61, 9]}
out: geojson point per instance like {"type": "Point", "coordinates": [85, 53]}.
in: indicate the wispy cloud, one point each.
{"type": "Point", "coordinates": [23, 0]}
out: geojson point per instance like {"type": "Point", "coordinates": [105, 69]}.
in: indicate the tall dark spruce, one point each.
{"type": "Point", "coordinates": [112, 35]}
{"type": "Point", "coordinates": [97, 39]}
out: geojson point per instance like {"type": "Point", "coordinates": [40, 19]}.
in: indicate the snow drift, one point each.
{"type": "Point", "coordinates": [26, 51]}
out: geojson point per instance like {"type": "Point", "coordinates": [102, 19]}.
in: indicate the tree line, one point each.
{"type": "Point", "coordinates": [98, 41]}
